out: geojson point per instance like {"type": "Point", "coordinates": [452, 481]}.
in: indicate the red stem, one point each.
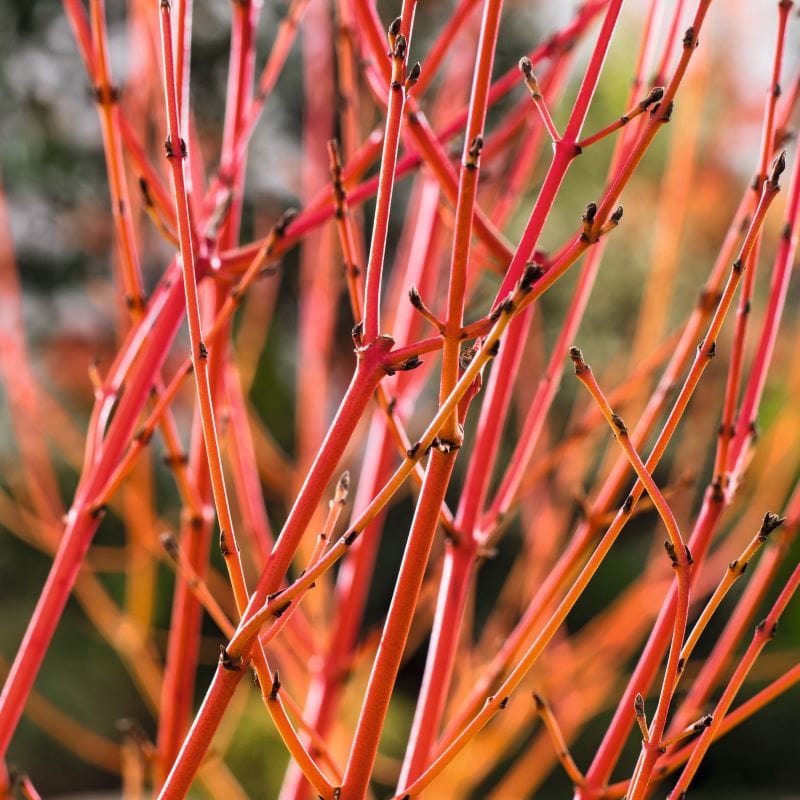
{"type": "Point", "coordinates": [358, 395]}
{"type": "Point", "coordinates": [764, 632]}
{"type": "Point", "coordinates": [81, 524]}
{"type": "Point", "coordinates": [386, 177]}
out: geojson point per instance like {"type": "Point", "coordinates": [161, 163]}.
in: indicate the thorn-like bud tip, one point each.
{"type": "Point", "coordinates": [170, 544]}
{"type": "Point", "coordinates": [770, 522]}
{"type": "Point", "coordinates": [343, 487]}
{"type": "Point", "coordinates": [778, 166]}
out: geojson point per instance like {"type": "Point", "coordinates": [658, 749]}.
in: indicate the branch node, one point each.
{"type": "Point", "coordinates": [170, 544]}
{"type": "Point", "coordinates": [226, 661]}
{"type": "Point", "coordinates": [409, 364]}
{"type": "Point", "coordinates": [474, 153]}
{"type": "Point", "coordinates": [577, 360]}
{"type": "Point", "coordinates": [276, 687]}
{"type": "Point", "coordinates": [342, 488]}
{"type": "Point", "coordinates": [641, 717]}
{"type": "Point", "coordinates": [281, 610]}
{"type": "Point", "coordinates": [356, 333]}
{"type": "Point", "coordinates": [655, 95]}
{"type": "Point", "coordinates": [778, 166]}
{"type": "Point", "coordinates": [349, 538]}
{"type": "Point", "coordinates": [400, 47]}
{"type": "Point", "coordinates": [588, 222]}
{"type": "Point", "coordinates": [413, 75]}
{"type": "Point", "coordinates": [670, 548]}
{"type": "Point", "coordinates": [531, 274]}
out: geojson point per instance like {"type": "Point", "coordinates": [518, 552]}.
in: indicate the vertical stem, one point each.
{"type": "Point", "coordinates": [460, 556]}
{"type": "Point", "coordinates": [107, 96]}
{"type": "Point", "coordinates": [398, 623]}
{"type": "Point", "coordinates": [221, 689]}
{"type": "Point", "coordinates": [176, 152]}
{"type": "Point", "coordinates": [442, 459]}
{"type": "Point", "coordinates": [318, 282]}
{"type": "Point", "coordinates": [354, 578]}
{"type": "Point", "coordinates": [399, 42]}
{"type": "Point", "coordinates": [729, 422]}
{"type": "Point", "coordinates": [197, 528]}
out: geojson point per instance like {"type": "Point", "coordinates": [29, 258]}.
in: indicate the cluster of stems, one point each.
{"type": "Point", "coordinates": [457, 409]}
